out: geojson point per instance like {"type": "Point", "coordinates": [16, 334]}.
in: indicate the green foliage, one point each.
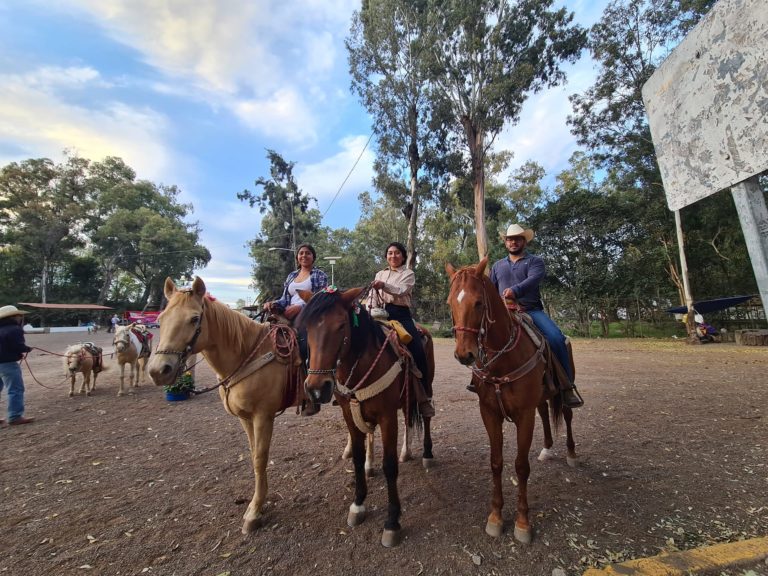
{"type": "Point", "coordinates": [184, 384]}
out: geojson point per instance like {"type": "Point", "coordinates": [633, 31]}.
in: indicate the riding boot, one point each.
{"type": "Point", "coordinates": [471, 387]}
{"type": "Point", "coordinates": [571, 397]}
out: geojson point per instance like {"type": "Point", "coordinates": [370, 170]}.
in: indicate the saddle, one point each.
{"type": "Point", "coordinates": [555, 376]}
{"type": "Point", "coordinates": [403, 338]}
{"type": "Point", "coordinates": [145, 338]}
{"type": "Point", "coordinates": [95, 352]}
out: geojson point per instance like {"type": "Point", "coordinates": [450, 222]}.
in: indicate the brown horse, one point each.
{"type": "Point", "coordinates": [83, 359]}
{"type": "Point", "coordinates": [255, 366]}
{"type": "Point", "coordinates": [509, 369]}
{"type": "Point", "coordinates": [353, 359]}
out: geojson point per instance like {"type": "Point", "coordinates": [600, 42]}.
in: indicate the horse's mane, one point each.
{"type": "Point", "coordinates": [323, 301]}
{"type": "Point", "coordinates": [73, 349]}
{"type": "Point", "coordinates": [244, 332]}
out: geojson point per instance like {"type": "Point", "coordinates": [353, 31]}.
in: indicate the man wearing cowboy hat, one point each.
{"type": "Point", "coordinates": [12, 349]}
{"type": "Point", "coordinates": [518, 277]}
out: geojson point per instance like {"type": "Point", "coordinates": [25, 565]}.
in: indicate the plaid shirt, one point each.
{"type": "Point", "coordinates": [318, 279]}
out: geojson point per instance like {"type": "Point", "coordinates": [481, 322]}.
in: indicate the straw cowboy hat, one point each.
{"type": "Point", "coordinates": [517, 230]}
{"type": "Point", "coordinates": [8, 311]}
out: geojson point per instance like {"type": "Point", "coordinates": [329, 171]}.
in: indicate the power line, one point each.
{"type": "Point", "coordinates": [348, 175]}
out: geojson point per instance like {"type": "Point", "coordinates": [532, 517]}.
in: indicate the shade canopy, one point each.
{"type": "Point", "coordinates": [706, 306]}
{"type": "Point", "coordinates": [65, 306]}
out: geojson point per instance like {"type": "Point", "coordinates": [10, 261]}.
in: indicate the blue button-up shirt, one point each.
{"type": "Point", "coordinates": [523, 277]}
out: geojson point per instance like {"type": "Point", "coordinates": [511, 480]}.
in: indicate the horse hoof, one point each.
{"type": "Point", "coordinates": [522, 535]}
{"type": "Point", "coordinates": [428, 463]}
{"type": "Point", "coordinates": [390, 538]}
{"type": "Point", "coordinates": [120, 393]}
{"type": "Point", "coordinates": [404, 457]}
{"type": "Point", "coordinates": [546, 454]}
{"type": "Point", "coordinates": [251, 525]}
{"type": "Point", "coordinates": [356, 515]}
{"type": "Point", "coordinates": [370, 472]}
{"type": "Point", "coordinates": [493, 530]}
{"type": "Point", "coordinates": [572, 461]}
{"type": "Point", "coordinates": [71, 394]}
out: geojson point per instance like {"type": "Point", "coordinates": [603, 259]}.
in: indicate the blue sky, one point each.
{"type": "Point", "coordinates": [193, 93]}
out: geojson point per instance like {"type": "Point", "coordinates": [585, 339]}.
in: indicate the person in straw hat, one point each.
{"type": "Point", "coordinates": [12, 349]}
{"type": "Point", "coordinates": [518, 277]}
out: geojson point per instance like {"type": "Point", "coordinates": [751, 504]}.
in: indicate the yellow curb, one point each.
{"type": "Point", "coordinates": [689, 561]}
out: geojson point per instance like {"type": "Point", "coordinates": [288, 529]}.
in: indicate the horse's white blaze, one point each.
{"type": "Point", "coordinates": [461, 295]}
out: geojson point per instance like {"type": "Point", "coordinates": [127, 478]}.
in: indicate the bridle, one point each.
{"type": "Point", "coordinates": [485, 322]}
{"type": "Point", "coordinates": [124, 339]}
{"type": "Point", "coordinates": [187, 350]}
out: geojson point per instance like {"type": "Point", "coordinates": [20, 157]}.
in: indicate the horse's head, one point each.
{"type": "Point", "coordinates": [122, 339]}
{"type": "Point", "coordinates": [326, 320]}
{"type": "Point", "coordinates": [468, 299]}
{"type": "Point", "coordinates": [182, 331]}
{"type": "Point", "coordinates": [74, 357]}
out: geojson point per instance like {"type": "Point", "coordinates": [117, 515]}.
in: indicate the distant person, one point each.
{"type": "Point", "coordinates": [114, 321]}
{"type": "Point", "coordinates": [12, 350]}
{"type": "Point", "coordinates": [518, 277]}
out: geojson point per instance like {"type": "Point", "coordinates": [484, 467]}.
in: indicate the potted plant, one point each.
{"type": "Point", "coordinates": [181, 389]}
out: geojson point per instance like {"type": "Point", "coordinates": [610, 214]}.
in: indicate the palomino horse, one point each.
{"type": "Point", "coordinates": [255, 363]}
{"type": "Point", "coordinates": [509, 375]}
{"type": "Point", "coordinates": [129, 350]}
{"type": "Point", "coordinates": [352, 358]}
{"type": "Point", "coordinates": [82, 358]}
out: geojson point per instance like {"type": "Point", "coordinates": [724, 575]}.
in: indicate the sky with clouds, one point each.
{"type": "Point", "coordinates": [194, 93]}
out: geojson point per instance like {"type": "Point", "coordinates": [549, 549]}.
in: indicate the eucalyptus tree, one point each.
{"type": "Point", "coordinates": [388, 48]}
{"type": "Point", "coordinates": [609, 119]}
{"type": "Point", "coordinates": [487, 56]}
{"type": "Point", "coordinates": [287, 220]}
{"type": "Point", "coordinates": [43, 208]}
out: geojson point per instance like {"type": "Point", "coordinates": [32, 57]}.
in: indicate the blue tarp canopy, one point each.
{"type": "Point", "coordinates": [706, 306]}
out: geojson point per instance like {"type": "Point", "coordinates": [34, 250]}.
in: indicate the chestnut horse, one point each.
{"type": "Point", "coordinates": [82, 358]}
{"type": "Point", "coordinates": [256, 369]}
{"type": "Point", "coordinates": [509, 375]}
{"type": "Point", "coordinates": [352, 359]}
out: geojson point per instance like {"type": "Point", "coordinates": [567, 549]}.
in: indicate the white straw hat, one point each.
{"type": "Point", "coordinates": [8, 311]}
{"type": "Point", "coordinates": [517, 230]}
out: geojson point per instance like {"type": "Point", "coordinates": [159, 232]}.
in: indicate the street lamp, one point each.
{"type": "Point", "coordinates": [332, 260]}
{"type": "Point", "coordinates": [277, 248]}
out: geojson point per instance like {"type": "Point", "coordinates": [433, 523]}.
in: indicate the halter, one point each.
{"type": "Point", "coordinates": [482, 332]}
{"type": "Point", "coordinates": [184, 354]}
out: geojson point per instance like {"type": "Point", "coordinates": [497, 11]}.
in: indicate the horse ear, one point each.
{"type": "Point", "coordinates": [480, 269]}
{"type": "Point", "coordinates": [169, 288]}
{"type": "Point", "coordinates": [450, 270]}
{"type": "Point", "coordinates": [198, 287]}
{"type": "Point", "coordinates": [306, 295]}
{"type": "Point", "coordinates": [349, 297]}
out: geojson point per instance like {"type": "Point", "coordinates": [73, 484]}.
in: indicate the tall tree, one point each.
{"type": "Point", "coordinates": [287, 221]}
{"type": "Point", "coordinates": [487, 57]}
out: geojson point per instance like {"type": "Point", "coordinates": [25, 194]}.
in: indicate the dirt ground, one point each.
{"type": "Point", "coordinates": [673, 443]}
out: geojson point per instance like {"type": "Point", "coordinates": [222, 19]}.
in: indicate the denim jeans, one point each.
{"type": "Point", "coordinates": [555, 338]}
{"type": "Point", "coordinates": [10, 376]}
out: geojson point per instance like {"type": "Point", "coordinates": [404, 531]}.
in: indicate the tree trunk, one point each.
{"type": "Point", "coordinates": [44, 282]}
{"type": "Point", "coordinates": [477, 153]}
{"type": "Point", "coordinates": [413, 160]}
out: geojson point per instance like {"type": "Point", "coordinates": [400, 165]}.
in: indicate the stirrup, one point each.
{"type": "Point", "coordinates": [571, 398]}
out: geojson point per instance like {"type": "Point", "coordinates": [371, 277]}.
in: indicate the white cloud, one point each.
{"type": "Point", "coordinates": [36, 118]}
{"type": "Point", "coordinates": [284, 114]}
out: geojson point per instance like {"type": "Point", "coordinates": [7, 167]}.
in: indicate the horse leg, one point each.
{"type": "Point", "coordinates": [357, 509]}
{"type": "Point", "coordinates": [259, 430]}
{"type": "Point", "coordinates": [391, 535]}
{"type": "Point", "coordinates": [82, 384]}
{"type": "Point", "coordinates": [87, 383]}
{"type": "Point", "coordinates": [525, 424]}
{"type": "Point", "coordinates": [493, 422]}
{"type": "Point", "coordinates": [369, 455]}
{"type": "Point", "coordinates": [427, 458]}
{"type": "Point", "coordinates": [546, 452]}
{"type": "Point", "coordinates": [405, 451]}
{"type": "Point", "coordinates": [134, 380]}
{"type": "Point", "coordinates": [571, 458]}
{"type": "Point", "coordinates": [122, 379]}
{"type": "Point", "coordinates": [71, 385]}
{"type": "Point", "coordinates": [347, 454]}
{"type": "Point", "coordinates": [141, 368]}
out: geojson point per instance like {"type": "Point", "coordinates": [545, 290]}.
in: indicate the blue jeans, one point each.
{"type": "Point", "coordinates": [10, 376]}
{"type": "Point", "coordinates": [555, 338]}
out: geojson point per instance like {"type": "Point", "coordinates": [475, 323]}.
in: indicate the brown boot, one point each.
{"type": "Point", "coordinates": [471, 387]}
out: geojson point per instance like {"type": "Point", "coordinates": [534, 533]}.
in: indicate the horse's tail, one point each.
{"type": "Point", "coordinates": [414, 420]}
{"type": "Point", "coordinates": [556, 408]}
